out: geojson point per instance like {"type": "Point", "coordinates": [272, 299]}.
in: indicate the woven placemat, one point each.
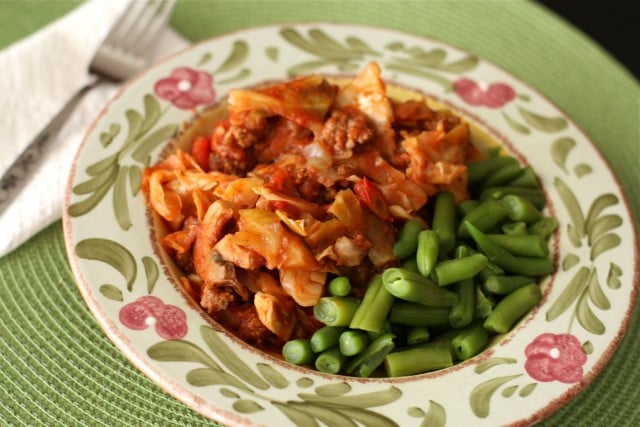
{"type": "Point", "coordinates": [58, 368]}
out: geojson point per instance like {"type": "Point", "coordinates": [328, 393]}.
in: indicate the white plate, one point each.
{"type": "Point", "coordinates": [586, 304]}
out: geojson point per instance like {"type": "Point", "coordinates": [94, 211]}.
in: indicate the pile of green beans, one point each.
{"type": "Point", "coordinates": [471, 276]}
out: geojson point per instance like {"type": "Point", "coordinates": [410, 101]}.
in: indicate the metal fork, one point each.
{"type": "Point", "coordinates": [125, 51]}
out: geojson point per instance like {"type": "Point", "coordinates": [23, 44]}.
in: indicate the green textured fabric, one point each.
{"type": "Point", "coordinates": [58, 368]}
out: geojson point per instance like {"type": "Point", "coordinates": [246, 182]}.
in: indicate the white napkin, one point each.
{"type": "Point", "coordinates": [39, 74]}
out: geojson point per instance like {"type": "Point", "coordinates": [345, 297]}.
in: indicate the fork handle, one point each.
{"type": "Point", "coordinates": [15, 176]}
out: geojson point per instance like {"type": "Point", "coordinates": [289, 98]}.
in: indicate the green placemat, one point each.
{"type": "Point", "coordinates": [58, 368]}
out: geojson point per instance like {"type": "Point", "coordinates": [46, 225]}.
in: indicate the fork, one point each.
{"type": "Point", "coordinates": [125, 51]}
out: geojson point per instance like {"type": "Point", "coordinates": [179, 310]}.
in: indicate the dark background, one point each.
{"type": "Point", "coordinates": [613, 24]}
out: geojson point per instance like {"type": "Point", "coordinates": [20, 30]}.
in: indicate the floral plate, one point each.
{"type": "Point", "coordinates": [552, 354]}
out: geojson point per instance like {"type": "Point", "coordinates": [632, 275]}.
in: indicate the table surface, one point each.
{"type": "Point", "coordinates": [58, 367]}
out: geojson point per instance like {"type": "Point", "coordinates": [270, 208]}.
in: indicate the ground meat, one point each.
{"type": "Point", "coordinates": [416, 115]}
{"type": "Point", "coordinates": [246, 128]}
{"type": "Point", "coordinates": [310, 187]}
{"type": "Point", "coordinates": [216, 299]}
{"type": "Point", "coordinates": [344, 130]}
{"type": "Point", "coordinates": [228, 155]}
{"type": "Point", "coordinates": [232, 143]}
{"type": "Point", "coordinates": [184, 261]}
{"type": "Point", "coordinates": [284, 136]}
{"type": "Point", "coordinates": [448, 122]}
{"type": "Point", "coordinates": [411, 111]}
{"type": "Point", "coordinates": [242, 320]}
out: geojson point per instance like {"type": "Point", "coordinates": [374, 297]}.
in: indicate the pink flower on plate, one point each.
{"type": "Point", "coordinates": [495, 96]}
{"type": "Point", "coordinates": [170, 322]}
{"type": "Point", "coordinates": [552, 357]}
{"type": "Point", "coordinates": [186, 88]}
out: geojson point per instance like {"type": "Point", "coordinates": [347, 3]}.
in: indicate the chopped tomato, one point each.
{"type": "Point", "coordinates": [371, 196]}
{"type": "Point", "coordinates": [200, 150]}
{"type": "Point", "coordinates": [278, 179]}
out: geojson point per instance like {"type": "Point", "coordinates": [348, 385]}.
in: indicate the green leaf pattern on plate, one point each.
{"type": "Point", "coordinates": [527, 389]}
{"type": "Point", "coordinates": [107, 137]}
{"type": "Point", "coordinates": [543, 123]}
{"type": "Point", "coordinates": [353, 52]}
{"type": "Point", "coordinates": [480, 397]}
{"type": "Point", "coordinates": [206, 57]}
{"type": "Point", "coordinates": [593, 230]}
{"type": "Point", "coordinates": [151, 272]}
{"type": "Point", "coordinates": [613, 278]}
{"type": "Point", "coordinates": [515, 125]}
{"type": "Point", "coordinates": [331, 404]}
{"type": "Point", "coordinates": [272, 52]}
{"type": "Point", "coordinates": [246, 406]}
{"type": "Point", "coordinates": [111, 292]}
{"type": "Point", "coordinates": [158, 137]}
{"type": "Point", "coordinates": [120, 201]}
{"type": "Point", "coordinates": [111, 253]}
{"type": "Point", "coordinates": [238, 55]}
{"type": "Point", "coordinates": [435, 416]}
{"type": "Point", "coordinates": [560, 150]}
{"type": "Point", "coordinates": [110, 172]}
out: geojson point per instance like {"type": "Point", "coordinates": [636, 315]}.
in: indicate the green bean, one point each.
{"type": "Point", "coordinates": [466, 205]}
{"type": "Point", "coordinates": [484, 304]}
{"type": "Point", "coordinates": [326, 337]}
{"type": "Point", "coordinates": [514, 228]}
{"type": "Point", "coordinates": [544, 227]}
{"type": "Point", "coordinates": [446, 335]}
{"type": "Point", "coordinates": [444, 220]}
{"type": "Point", "coordinates": [339, 286]}
{"type": "Point", "coordinates": [502, 175]}
{"type": "Point", "coordinates": [534, 195]}
{"type": "Point", "coordinates": [427, 252]}
{"type": "Point", "coordinates": [470, 342]}
{"type": "Point", "coordinates": [461, 314]}
{"type": "Point", "coordinates": [372, 357]}
{"type": "Point", "coordinates": [298, 352]}
{"type": "Point", "coordinates": [335, 311]}
{"type": "Point", "coordinates": [503, 285]}
{"type": "Point", "coordinates": [520, 209]}
{"type": "Point", "coordinates": [457, 269]}
{"type": "Point", "coordinates": [374, 307]}
{"type": "Point", "coordinates": [463, 250]}
{"type": "Point", "coordinates": [384, 329]}
{"type": "Point", "coordinates": [330, 361]}
{"type": "Point", "coordinates": [489, 270]}
{"type": "Point", "coordinates": [353, 342]}
{"type": "Point", "coordinates": [512, 307]}
{"type": "Point", "coordinates": [532, 245]}
{"type": "Point", "coordinates": [414, 314]}
{"type": "Point", "coordinates": [414, 287]}
{"type": "Point", "coordinates": [527, 179]}
{"type": "Point", "coordinates": [418, 335]}
{"type": "Point", "coordinates": [407, 242]}
{"type": "Point", "coordinates": [494, 152]}
{"type": "Point", "coordinates": [410, 264]}
{"type": "Point", "coordinates": [484, 217]}
{"type": "Point", "coordinates": [417, 360]}
{"type": "Point", "coordinates": [526, 266]}
{"type": "Point", "coordinates": [480, 170]}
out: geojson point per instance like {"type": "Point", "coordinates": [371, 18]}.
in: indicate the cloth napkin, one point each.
{"type": "Point", "coordinates": [39, 74]}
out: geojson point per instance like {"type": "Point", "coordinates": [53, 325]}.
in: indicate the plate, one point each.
{"type": "Point", "coordinates": [549, 357]}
